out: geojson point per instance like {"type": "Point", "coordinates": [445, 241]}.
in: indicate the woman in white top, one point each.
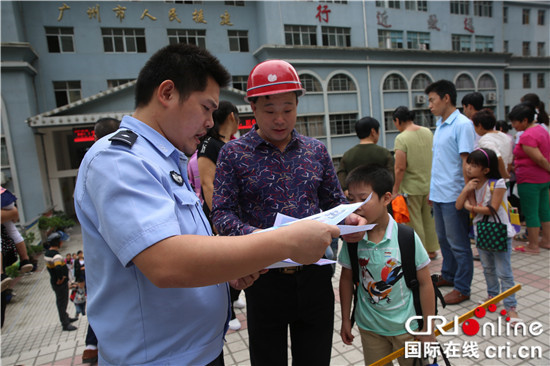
{"type": "Point", "coordinates": [484, 124]}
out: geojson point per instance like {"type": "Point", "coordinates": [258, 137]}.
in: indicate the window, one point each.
{"type": "Point", "coordinates": [310, 83]}
{"type": "Point", "coordinates": [464, 82]}
{"type": "Point", "coordinates": [116, 82]}
{"type": "Point", "coordinates": [394, 4]}
{"type": "Point", "coordinates": [390, 39]}
{"type": "Point", "coordinates": [343, 124]}
{"type": "Point", "coordinates": [239, 82]}
{"type": "Point", "coordinates": [505, 14]}
{"type": "Point", "coordinates": [506, 81]}
{"type": "Point", "coordinates": [313, 126]}
{"type": "Point", "coordinates": [334, 1]}
{"type": "Point", "coordinates": [418, 40]}
{"type": "Point", "coordinates": [526, 49]}
{"type": "Point", "coordinates": [525, 16]}
{"type": "Point", "coordinates": [340, 83]}
{"type": "Point", "coordinates": [66, 92]}
{"type": "Point", "coordinates": [234, 3]}
{"type": "Point", "coordinates": [421, 81]}
{"type": "Point", "coordinates": [540, 49]}
{"type": "Point", "coordinates": [59, 39]}
{"type": "Point", "coordinates": [526, 80]}
{"type": "Point", "coordinates": [424, 117]}
{"type": "Point", "coordinates": [484, 43]}
{"type": "Point", "coordinates": [486, 82]}
{"type": "Point", "coordinates": [238, 40]}
{"type": "Point", "coordinates": [394, 82]}
{"type": "Point", "coordinates": [195, 37]}
{"type": "Point", "coordinates": [461, 42]}
{"type": "Point", "coordinates": [416, 5]}
{"type": "Point", "coordinates": [128, 40]}
{"type": "Point", "coordinates": [460, 7]}
{"type": "Point", "coordinates": [336, 36]}
{"type": "Point", "coordinates": [505, 46]}
{"type": "Point", "coordinates": [483, 8]}
{"type": "Point", "coordinates": [540, 18]}
{"type": "Point", "coordinates": [540, 80]}
{"type": "Point", "coordinates": [388, 121]}
{"type": "Point", "coordinates": [300, 35]}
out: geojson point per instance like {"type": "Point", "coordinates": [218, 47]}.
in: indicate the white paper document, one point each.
{"type": "Point", "coordinates": [332, 217]}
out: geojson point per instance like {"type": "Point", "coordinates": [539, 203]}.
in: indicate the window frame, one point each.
{"type": "Point", "coordinates": [526, 48]}
{"type": "Point", "coordinates": [345, 122]}
{"type": "Point", "coordinates": [300, 33]}
{"type": "Point", "coordinates": [241, 80]}
{"type": "Point", "coordinates": [241, 39]}
{"type": "Point", "coordinates": [113, 83]}
{"type": "Point", "coordinates": [340, 36]}
{"type": "Point", "coordinates": [416, 5]}
{"type": "Point", "coordinates": [344, 82]}
{"type": "Point", "coordinates": [311, 125]}
{"type": "Point", "coordinates": [525, 16]}
{"type": "Point", "coordinates": [55, 36]}
{"type": "Point", "coordinates": [541, 48]}
{"type": "Point", "coordinates": [394, 83]}
{"type": "Point", "coordinates": [460, 40]}
{"type": "Point", "coordinates": [123, 38]}
{"type": "Point", "coordinates": [541, 17]}
{"type": "Point", "coordinates": [307, 80]}
{"type": "Point", "coordinates": [418, 38]}
{"type": "Point", "coordinates": [68, 88]}
{"type": "Point", "coordinates": [460, 7]}
{"type": "Point", "coordinates": [526, 80]}
{"type": "Point", "coordinates": [485, 41]}
{"type": "Point", "coordinates": [541, 81]}
{"type": "Point", "coordinates": [185, 35]}
{"type": "Point", "coordinates": [483, 8]}
{"type": "Point", "coordinates": [385, 35]}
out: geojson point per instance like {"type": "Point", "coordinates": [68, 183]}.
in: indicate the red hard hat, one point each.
{"type": "Point", "coordinates": [273, 77]}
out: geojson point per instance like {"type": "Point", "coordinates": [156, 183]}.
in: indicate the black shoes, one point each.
{"type": "Point", "coordinates": [69, 327]}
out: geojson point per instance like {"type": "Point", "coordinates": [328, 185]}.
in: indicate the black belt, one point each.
{"type": "Point", "coordinates": [290, 270]}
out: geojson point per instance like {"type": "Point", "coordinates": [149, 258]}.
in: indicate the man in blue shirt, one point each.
{"type": "Point", "coordinates": [156, 277]}
{"type": "Point", "coordinates": [269, 170]}
{"type": "Point", "coordinates": [453, 141]}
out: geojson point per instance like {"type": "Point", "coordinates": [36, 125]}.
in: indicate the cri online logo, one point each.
{"type": "Point", "coordinates": [471, 326]}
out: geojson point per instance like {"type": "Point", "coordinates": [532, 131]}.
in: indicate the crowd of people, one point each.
{"type": "Point", "coordinates": [176, 235]}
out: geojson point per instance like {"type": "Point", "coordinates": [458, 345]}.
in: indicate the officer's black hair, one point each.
{"type": "Point", "coordinates": [364, 127]}
{"type": "Point", "coordinates": [188, 66]}
{"type": "Point", "coordinates": [442, 87]}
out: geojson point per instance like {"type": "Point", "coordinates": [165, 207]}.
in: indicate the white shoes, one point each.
{"type": "Point", "coordinates": [235, 324]}
{"type": "Point", "coordinates": [239, 304]}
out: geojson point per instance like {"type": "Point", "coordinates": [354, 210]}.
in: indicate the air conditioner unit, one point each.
{"type": "Point", "coordinates": [420, 99]}
{"type": "Point", "coordinates": [491, 97]}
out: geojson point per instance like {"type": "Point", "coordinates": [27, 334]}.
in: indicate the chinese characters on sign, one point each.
{"type": "Point", "coordinates": [94, 13]}
{"type": "Point", "coordinates": [382, 19]}
{"type": "Point", "coordinates": [197, 15]}
{"type": "Point", "coordinates": [146, 14]}
{"type": "Point", "coordinates": [61, 10]}
{"type": "Point", "coordinates": [432, 22]}
{"type": "Point", "coordinates": [469, 24]}
{"type": "Point", "coordinates": [322, 13]}
{"type": "Point", "coordinates": [226, 19]}
{"type": "Point", "coordinates": [120, 12]}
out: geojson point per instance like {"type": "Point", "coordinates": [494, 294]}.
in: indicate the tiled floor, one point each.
{"type": "Point", "coordinates": [32, 335]}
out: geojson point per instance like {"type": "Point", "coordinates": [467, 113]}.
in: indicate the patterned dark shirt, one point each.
{"type": "Point", "coordinates": [255, 180]}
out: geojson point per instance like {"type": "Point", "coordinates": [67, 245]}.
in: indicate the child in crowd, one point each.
{"type": "Point", "coordinates": [8, 203]}
{"type": "Point", "coordinates": [79, 297]}
{"type": "Point", "coordinates": [381, 315]}
{"type": "Point", "coordinates": [482, 170]}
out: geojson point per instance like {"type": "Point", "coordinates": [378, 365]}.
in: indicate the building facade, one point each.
{"type": "Point", "coordinates": [67, 64]}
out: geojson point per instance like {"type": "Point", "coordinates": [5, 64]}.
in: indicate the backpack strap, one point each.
{"type": "Point", "coordinates": [405, 236]}
{"type": "Point", "coordinates": [354, 260]}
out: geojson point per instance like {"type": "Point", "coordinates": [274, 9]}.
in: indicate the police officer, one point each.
{"type": "Point", "coordinates": [156, 277]}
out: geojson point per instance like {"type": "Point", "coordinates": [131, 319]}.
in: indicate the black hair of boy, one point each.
{"type": "Point", "coordinates": [377, 177]}
{"type": "Point", "coordinates": [474, 99]}
{"type": "Point", "coordinates": [442, 87]}
{"type": "Point", "coordinates": [522, 111]}
{"type": "Point", "coordinates": [485, 158]}
{"type": "Point", "coordinates": [485, 118]}
{"type": "Point", "coordinates": [188, 66]}
{"type": "Point", "coordinates": [364, 126]}
{"type": "Point", "coordinates": [403, 113]}
{"type": "Point", "coordinates": [105, 126]}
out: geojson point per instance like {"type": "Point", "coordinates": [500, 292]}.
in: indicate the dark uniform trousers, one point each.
{"type": "Point", "coordinates": [302, 300]}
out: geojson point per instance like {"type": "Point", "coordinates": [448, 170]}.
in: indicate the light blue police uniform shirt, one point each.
{"type": "Point", "coordinates": [452, 137]}
{"type": "Point", "coordinates": [127, 200]}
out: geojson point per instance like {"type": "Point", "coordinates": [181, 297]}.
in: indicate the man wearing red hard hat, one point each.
{"type": "Point", "coordinates": [274, 169]}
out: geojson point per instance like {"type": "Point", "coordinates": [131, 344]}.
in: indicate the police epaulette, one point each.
{"type": "Point", "coordinates": [127, 137]}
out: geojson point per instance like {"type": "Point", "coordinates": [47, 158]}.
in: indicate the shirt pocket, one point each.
{"type": "Point", "coordinates": [189, 212]}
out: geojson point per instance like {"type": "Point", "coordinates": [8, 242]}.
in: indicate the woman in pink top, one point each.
{"type": "Point", "coordinates": [532, 166]}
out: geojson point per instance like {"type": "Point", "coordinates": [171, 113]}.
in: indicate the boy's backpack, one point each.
{"type": "Point", "coordinates": [405, 236]}
{"type": "Point", "coordinates": [513, 214]}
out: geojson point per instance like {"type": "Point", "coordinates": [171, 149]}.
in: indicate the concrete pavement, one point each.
{"type": "Point", "coordinates": [32, 334]}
